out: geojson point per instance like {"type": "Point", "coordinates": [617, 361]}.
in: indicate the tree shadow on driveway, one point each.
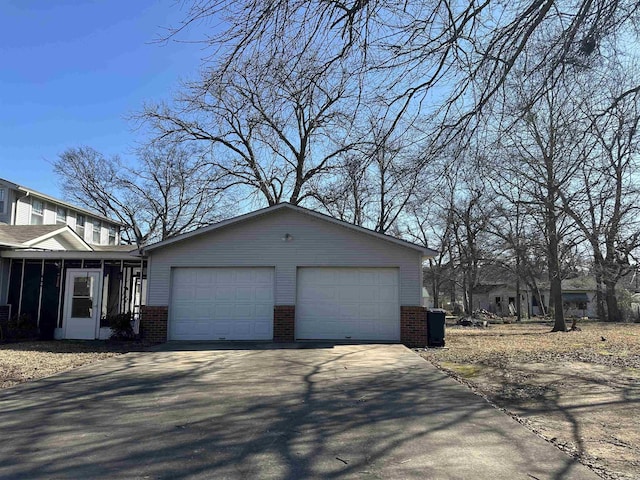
{"type": "Point", "coordinates": [359, 411]}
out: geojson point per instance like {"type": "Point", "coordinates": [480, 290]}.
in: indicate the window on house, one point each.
{"type": "Point", "coordinates": [96, 231]}
{"type": "Point", "coordinates": [80, 225]}
{"type": "Point", "coordinates": [37, 212]}
{"type": "Point", "coordinates": [112, 235]}
{"type": "Point", "coordinates": [61, 215]}
{"type": "Point", "coordinates": [3, 200]}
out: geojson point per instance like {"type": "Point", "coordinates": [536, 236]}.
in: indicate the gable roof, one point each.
{"type": "Point", "coordinates": [44, 196]}
{"type": "Point", "coordinates": [23, 233]}
{"type": "Point", "coordinates": [28, 236]}
{"type": "Point", "coordinates": [427, 252]}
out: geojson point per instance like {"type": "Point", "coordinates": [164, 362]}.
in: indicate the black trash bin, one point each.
{"type": "Point", "coordinates": [435, 327]}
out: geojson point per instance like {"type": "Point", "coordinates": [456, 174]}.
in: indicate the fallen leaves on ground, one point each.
{"type": "Point", "coordinates": [24, 361]}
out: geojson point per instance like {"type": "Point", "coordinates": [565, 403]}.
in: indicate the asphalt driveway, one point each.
{"type": "Point", "coordinates": [363, 411]}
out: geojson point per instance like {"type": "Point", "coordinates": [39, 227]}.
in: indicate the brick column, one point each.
{"type": "Point", "coordinates": [413, 326]}
{"type": "Point", "coordinates": [153, 323]}
{"type": "Point", "coordinates": [284, 323]}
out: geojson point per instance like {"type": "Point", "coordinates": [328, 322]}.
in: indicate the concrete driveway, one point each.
{"type": "Point", "coordinates": [363, 411]}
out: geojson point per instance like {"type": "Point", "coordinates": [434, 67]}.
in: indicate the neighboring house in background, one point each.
{"type": "Point", "coordinates": [24, 206]}
{"type": "Point", "coordinates": [578, 296]}
{"type": "Point", "coordinates": [63, 267]}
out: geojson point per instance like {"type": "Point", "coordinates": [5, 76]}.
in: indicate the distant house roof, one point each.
{"type": "Point", "coordinates": [29, 236]}
{"type": "Point", "coordinates": [427, 252]}
{"type": "Point", "coordinates": [484, 288]}
{"type": "Point", "coordinates": [30, 191]}
{"type": "Point", "coordinates": [585, 282]}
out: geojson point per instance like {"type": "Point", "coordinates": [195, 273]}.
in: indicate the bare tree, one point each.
{"type": "Point", "coordinates": [468, 224]}
{"type": "Point", "coordinates": [273, 125]}
{"type": "Point", "coordinates": [427, 224]}
{"type": "Point", "coordinates": [423, 53]}
{"type": "Point", "coordinates": [509, 225]}
{"type": "Point", "coordinates": [377, 181]}
{"type": "Point", "coordinates": [542, 144]}
{"type": "Point", "coordinates": [167, 192]}
{"type": "Point", "coordinates": [605, 199]}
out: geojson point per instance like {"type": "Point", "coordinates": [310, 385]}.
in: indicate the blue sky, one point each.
{"type": "Point", "coordinates": [70, 73]}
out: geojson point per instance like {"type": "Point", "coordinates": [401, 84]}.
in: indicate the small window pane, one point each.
{"type": "Point", "coordinates": [96, 231]}
{"type": "Point", "coordinates": [82, 286]}
{"type": "Point", "coordinates": [81, 308]}
{"type": "Point", "coordinates": [80, 220]}
{"type": "Point", "coordinates": [61, 215]}
{"type": "Point", "coordinates": [112, 235]}
{"type": "Point", "coordinates": [82, 301]}
{"type": "Point", "coordinates": [37, 210]}
{"type": "Point", "coordinates": [2, 200]}
{"type": "Point", "coordinates": [37, 207]}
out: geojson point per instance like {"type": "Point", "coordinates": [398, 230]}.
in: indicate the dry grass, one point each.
{"type": "Point", "coordinates": [526, 342]}
{"type": "Point", "coordinates": [25, 361]}
{"type": "Point", "coordinates": [580, 390]}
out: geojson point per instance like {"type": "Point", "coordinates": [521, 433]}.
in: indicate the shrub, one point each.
{"type": "Point", "coordinates": [121, 326]}
{"type": "Point", "coordinates": [20, 327]}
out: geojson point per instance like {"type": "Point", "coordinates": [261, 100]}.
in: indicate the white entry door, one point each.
{"type": "Point", "coordinates": [82, 304]}
{"type": "Point", "coordinates": [348, 304]}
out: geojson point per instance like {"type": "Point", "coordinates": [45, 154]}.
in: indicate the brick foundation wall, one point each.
{"type": "Point", "coordinates": [413, 326]}
{"type": "Point", "coordinates": [284, 323]}
{"type": "Point", "coordinates": [153, 323]}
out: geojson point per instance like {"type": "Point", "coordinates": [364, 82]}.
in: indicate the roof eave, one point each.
{"type": "Point", "coordinates": [426, 252]}
{"type": "Point", "coordinates": [65, 230]}
{"type": "Point", "coordinates": [49, 198]}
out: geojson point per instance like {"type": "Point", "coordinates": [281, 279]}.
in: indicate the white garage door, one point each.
{"type": "Point", "coordinates": [221, 304]}
{"type": "Point", "coordinates": [348, 303]}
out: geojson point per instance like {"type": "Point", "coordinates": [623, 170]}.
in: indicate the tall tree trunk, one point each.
{"type": "Point", "coordinates": [613, 311]}
{"type": "Point", "coordinates": [555, 291]}
{"type": "Point", "coordinates": [535, 293]}
{"type": "Point", "coordinates": [600, 301]}
{"type": "Point", "coordinates": [470, 295]}
{"type": "Point", "coordinates": [518, 312]}
{"type": "Point", "coordinates": [465, 295]}
{"type": "Point", "coordinates": [452, 297]}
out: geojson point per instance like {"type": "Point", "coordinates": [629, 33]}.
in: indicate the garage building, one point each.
{"type": "Point", "coordinates": [284, 274]}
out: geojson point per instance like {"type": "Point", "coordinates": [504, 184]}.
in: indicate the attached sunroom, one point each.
{"type": "Point", "coordinates": [72, 294]}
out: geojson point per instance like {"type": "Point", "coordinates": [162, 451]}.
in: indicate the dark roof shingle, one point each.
{"type": "Point", "coordinates": [18, 234]}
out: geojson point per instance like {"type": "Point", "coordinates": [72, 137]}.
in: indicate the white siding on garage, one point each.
{"type": "Point", "coordinates": [221, 304]}
{"type": "Point", "coordinates": [259, 242]}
